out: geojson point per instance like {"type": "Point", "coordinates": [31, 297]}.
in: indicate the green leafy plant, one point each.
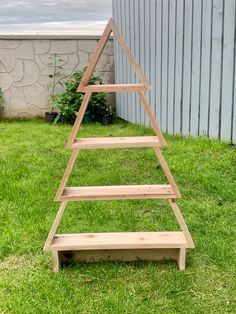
{"type": "Point", "coordinates": [55, 76]}
{"type": "Point", "coordinates": [2, 101]}
{"type": "Point", "coordinates": [69, 102]}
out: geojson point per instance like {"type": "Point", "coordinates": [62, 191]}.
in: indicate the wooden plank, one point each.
{"type": "Point", "coordinates": [90, 68]}
{"type": "Point", "coordinates": [182, 259]}
{"type": "Point", "coordinates": [228, 70]}
{"type": "Point", "coordinates": [152, 119]}
{"type": "Point", "coordinates": [114, 88]}
{"type": "Point", "coordinates": [129, 55]}
{"type": "Point", "coordinates": [116, 142]}
{"type": "Point", "coordinates": [54, 226]}
{"type": "Point", "coordinates": [118, 240]}
{"type": "Point", "coordinates": [117, 192]}
{"type": "Point", "coordinates": [120, 255]}
{"type": "Point", "coordinates": [205, 67]}
{"type": "Point", "coordinates": [216, 63]}
{"type": "Point", "coordinates": [171, 66]}
{"type": "Point", "coordinates": [187, 66]}
{"type": "Point", "coordinates": [78, 119]}
{"type": "Point", "coordinates": [178, 65]}
{"type": "Point", "coordinates": [166, 170]}
{"type": "Point", "coordinates": [66, 174]}
{"type": "Point", "coordinates": [196, 67]}
{"type": "Point", "coordinates": [56, 261]}
{"type": "Point", "coordinates": [182, 223]}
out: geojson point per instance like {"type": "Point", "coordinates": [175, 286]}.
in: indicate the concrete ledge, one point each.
{"type": "Point", "coordinates": [48, 36]}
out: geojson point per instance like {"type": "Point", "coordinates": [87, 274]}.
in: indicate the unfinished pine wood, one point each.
{"type": "Point", "coordinates": [117, 192]}
{"type": "Point", "coordinates": [66, 174]}
{"type": "Point", "coordinates": [125, 246]}
{"type": "Point", "coordinates": [116, 142]}
{"type": "Point", "coordinates": [56, 261]}
{"type": "Point", "coordinates": [182, 258]}
{"type": "Point", "coordinates": [95, 57]}
{"type": "Point", "coordinates": [54, 226]}
{"type": "Point", "coordinates": [114, 88]}
{"type": "Point", "coordinates": [166, 170]}
{"type": "Point", "coordinates": [118, 240]}
{"type": "Point", "coordinates": [78, 119]}
{"type": "Point", "coordinates": [134, 63]}
{"type": "Point", "coordinates": [181, 222]}
{"type": "Point", "coordinates": [151, 117]}
{"type": "Point", "coordinates": [127, 255]}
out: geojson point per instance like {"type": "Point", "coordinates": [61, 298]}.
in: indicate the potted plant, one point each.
{"type": "Point", "coordinates": [51, 115]}
{"type": "Point", "coordinates": [107, 115]}
{"type": "Point", "coordinates": [69, 102]}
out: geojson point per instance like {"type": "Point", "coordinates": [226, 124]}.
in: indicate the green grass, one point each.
{"type": "Point", "coordinates": [32, 160]}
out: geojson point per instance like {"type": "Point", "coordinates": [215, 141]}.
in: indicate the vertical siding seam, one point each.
{"type": "Point", "coordinates": [174, 70]}
{"type": "Point", "coordinates": [200, 74]}
{"type": "Point", "coordinates": [167, 83]}
{"type": "Point", "coordinates": [210, 66]}
{"type": "Point", "coordinates": [161, 70]}
{"type": "Point", "coordinates": [191, 69]}
{"type": "Point", "coordinates": [233, 89]}
{"type": "Point", "coordinates": [154, 83]}
{"type": "Point", "coordinates": [221, 68]}
{"type": "Point", "coordinates": [182, 86]}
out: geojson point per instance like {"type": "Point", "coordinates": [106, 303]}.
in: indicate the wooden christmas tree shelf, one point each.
{"type": "Point", "coordinates": [116, 142]}
{"type": "Point", "coordinates": [125, 246]}
{"type": "Point", "coordinates": [119, 240]}
{"type": "Point", "coordinates": [114, 88]}
{"type": "Point", "coordinates": [117, 192]}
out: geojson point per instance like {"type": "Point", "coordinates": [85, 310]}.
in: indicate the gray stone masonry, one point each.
{"type": "Point", "coordinates": [25, 69]}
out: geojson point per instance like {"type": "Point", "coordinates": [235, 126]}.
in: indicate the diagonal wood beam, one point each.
{"type": "Point", "coordinates": [181, 222]}
{"type": "Point", "coordinates": [166, 170]}
{"type": "Point", "coordinates": [129, 55]}
{"type": "Point", "coordinates": [78, 120]}
{"type": "Point", "coordinates": [152, 118]}
{"type": "Point", "coordinates": [101, 44]}
{"type": "Point", "coordinates": [66, 174]}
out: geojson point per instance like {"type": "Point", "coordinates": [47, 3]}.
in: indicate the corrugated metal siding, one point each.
{"type": "Point", "coordinates": [186, 49]}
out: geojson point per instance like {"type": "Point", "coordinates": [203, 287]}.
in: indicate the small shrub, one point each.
{"type": "Point", "coordinates": [68, 104]}
{"type": "Point", "coordinates": [1, 99]}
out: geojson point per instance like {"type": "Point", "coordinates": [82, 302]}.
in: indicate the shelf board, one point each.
{"type": "Point", "coordinates": [115, 88]}
{"type": "Point", "coordinates": [116, 142]}
{"type": "Point", "coordinates": [118, 240]}
{"type": "Point", "coordinates": [117, 192]}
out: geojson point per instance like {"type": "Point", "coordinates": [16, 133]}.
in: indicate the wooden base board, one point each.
{"type": "Point", "coordinates": [66, 257]}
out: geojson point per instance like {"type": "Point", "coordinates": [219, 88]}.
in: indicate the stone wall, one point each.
{"type": "Point", "coordinates": [25, 69]}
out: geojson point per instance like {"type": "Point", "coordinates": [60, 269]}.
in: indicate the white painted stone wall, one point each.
{"type": "Point", "coordinates": [24, 68]}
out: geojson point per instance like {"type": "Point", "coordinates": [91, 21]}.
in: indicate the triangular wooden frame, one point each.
{"type": "Point", "coordinates": [113, 246]}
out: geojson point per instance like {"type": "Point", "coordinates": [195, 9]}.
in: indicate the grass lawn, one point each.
{"type": "Point", "coordinates": [32, 161]}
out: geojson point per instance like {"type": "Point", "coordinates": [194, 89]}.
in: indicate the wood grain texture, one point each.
{"type": "Point", "coordinates": [116, 192]}
{"type": "Point", "coordinates": [114, 88]}
{"type": "Point", "coordinates": [78, 120]}
{"type": "Point", "coordinates": [118, 240]}
{"type": "Point", "coordinates": [54, 226]}
{"type": "Point", "coordinates": [116, 142]}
